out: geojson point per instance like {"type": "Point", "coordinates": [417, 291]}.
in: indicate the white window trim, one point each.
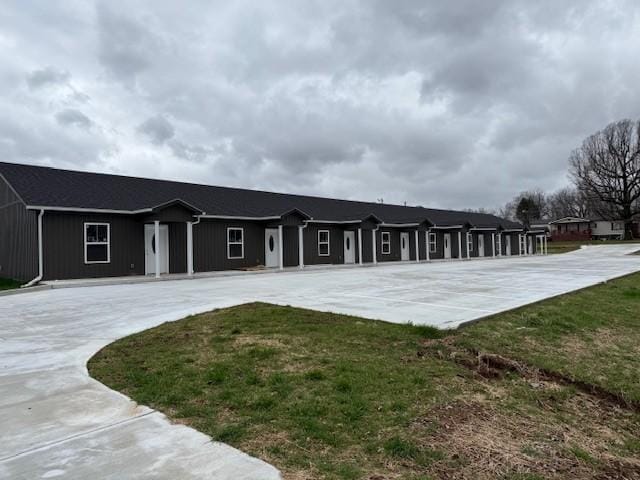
{"type": "Point", "coordinates": [229, 243]}
{"type": "Point", "coordinates": [469, 242]}
{"type": "Point", "coordinates": [387, 242]}
{"type": "Point", "coordinates": [327, 243]}
{"type": "Point", "coordinates": [107, 243]}
{"type": "Point", "coordinates": [433, 244]}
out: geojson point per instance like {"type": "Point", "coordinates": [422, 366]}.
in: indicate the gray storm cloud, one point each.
{"type": "Point", "coordinates": [449, 104]}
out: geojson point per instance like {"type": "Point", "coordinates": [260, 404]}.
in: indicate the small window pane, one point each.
{"type": "Point", "coordinates": [235, 250]}
{"type": "Point", "coordinates": [324, 236]}
{"type": "Point", "coordinates": [323, 248]}
{"type": "Point", "coordinates": [235, 236]}
{"type": "Point", "coordinates": [97, 253]}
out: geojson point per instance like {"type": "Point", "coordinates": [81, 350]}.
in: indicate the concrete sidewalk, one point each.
{"type": "Point", "coordinates": [58, 423]}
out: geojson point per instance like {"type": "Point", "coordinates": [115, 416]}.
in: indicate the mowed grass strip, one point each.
{"type": "Point", "coordinates": [329, 396]}
{"type": "Point", "coordinates": [592, 336]}
{"type": "Point", "coordinates": [8, 284]}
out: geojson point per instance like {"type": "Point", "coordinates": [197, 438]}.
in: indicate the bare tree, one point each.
{"type": "Point", "coordinates": [607, 168]}
{"type": "Point", "coordinates": [568, 202]}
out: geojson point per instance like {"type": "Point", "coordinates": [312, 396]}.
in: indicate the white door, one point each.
{"type": "Point", "coordinates": [150, 249]}
{"type": "Point", "coordinates": [447, 245]}
{"type": "Point", "coordinates": [404, 246]}
{"type": "Point", "coordinates": [271, 257]}
{"type": "Point", "coordinates": [349, 247]}
{"type": "Point", "coordinates": [507, 245]}
{"type": "Point", "coordinates": [530, 245]}
{"type": "Point", "coordinates": [481, 244]}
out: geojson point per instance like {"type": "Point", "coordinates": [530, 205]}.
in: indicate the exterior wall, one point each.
{"type": "Point", "coordinates": [608, 229]}
{"type": "Point", "coordinates": [18, 237]}
{"type": "Point", "coordinates": [336, 245]}
{"type": "Point", "coordinates": [367, 246]}
{"type": "Point", "coordinates": [178, 247]}
{"type": "Point", "coordinates": [63, 245]}
{"type": "Point", "coordinates": [394, 255]}
{"type": "Point", "coordinates": [290, 255]}
{"type": "Point", "coordinates": [210, 245]}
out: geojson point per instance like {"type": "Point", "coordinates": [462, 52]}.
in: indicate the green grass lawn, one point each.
{"type": "Point", "coordinates": [565, 247]}
{"type": "Point", "coordinates": [8, 284]}
{"type": "Point", "coordinates": [321, 395]}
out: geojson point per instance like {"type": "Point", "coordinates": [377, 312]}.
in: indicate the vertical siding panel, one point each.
{"type": "Point", "coordinates": [18, 237]}
{"type": "Point", "coordinates": [210, 245]}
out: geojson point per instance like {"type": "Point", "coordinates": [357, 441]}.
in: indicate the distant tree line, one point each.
{"type": "Point", "coordinates": [605, 172]}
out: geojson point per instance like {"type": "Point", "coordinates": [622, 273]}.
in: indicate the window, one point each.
{"type": "Point", "coordinates": [433, 243]}
{"type": "Point", "coordinates": [386, 243]}
{"type": "Point", "coordinates": [235, 243]}
{"type": "Point", "coordinates": [469, 242]}
{"type": "Point", "coordinates": [323, 243]}
{"type": "Point", "coordinates": [617, 226]}
{"type": "Point", "coordinates": [97, 243]}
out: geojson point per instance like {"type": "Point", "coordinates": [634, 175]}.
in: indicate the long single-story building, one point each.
{"type": "Point", "coordinates": [59, 224]}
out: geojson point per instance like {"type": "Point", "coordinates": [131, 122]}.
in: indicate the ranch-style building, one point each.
{"type": "Point", "coordinates": [59, 224]}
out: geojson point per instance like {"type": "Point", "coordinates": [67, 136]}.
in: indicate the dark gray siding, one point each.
{"type": "Point", "coordinates": [210, 245]}
{"type": "Point", "coordinates": [178, 248]}
{"type": "Point", "coordinates": [336, 245]}
{"type": "Point", "coordinates": [18, 237]}
{"type": "Point", "coordinates": [290, 255]}
{"type": "Point", "coordinates": [367, 246]}
{"type": "Point", "coordinates": [63, 243]}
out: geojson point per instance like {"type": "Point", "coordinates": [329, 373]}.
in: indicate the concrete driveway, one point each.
{"type": "Point", "coordinates": [57, 422]}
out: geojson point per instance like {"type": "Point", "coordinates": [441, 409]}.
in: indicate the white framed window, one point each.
{"type": "Point", "coordinates": [323, 243]}
{"type": "Point", "coordinates": [97, 243]}
{"type": "Point", "coordinates": [386, 242]}
{"type": "Point", "coordinates": [235, 243]}
{"type": "Point", "coordinates": [433, 243]}
{"type": "Point", "coordinates": [617, 226]}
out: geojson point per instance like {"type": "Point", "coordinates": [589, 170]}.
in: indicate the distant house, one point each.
{"type": "Point", "coordinates": [577, 228]}
{"type": "Point", "coordinates": [541, 224]}
{"type": "Point", "coordinates": [570, 228]}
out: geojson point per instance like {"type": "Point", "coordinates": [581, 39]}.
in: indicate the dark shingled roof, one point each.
{"type": "Point", "coordinates": [51, 187]}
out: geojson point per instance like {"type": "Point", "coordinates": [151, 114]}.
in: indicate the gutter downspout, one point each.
{"type": "Point", "coordinates": [190, 269]}
{"type": "Point", "coordinates": [40, 254]}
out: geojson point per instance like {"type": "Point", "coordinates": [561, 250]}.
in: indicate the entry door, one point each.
{"type": "Point", "coordinates": [349, 247]}
{"type": "Point", "coordinates": [481, 244]}
{"type": "Point", "coordinates": [150, 249]}
{"type": "Point", "coordinates": [404, 246]}
{"type": "Point", "coordinates": [507, 245]}
{"type": "Point", "coordinates": [447, 245]}
{"type": "Point", "coordinates": [530, 245]}
{"type": "Point", "coordinates": [271, 257]}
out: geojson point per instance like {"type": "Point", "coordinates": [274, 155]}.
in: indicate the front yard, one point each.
{"type": "Point", "coordinates": [569, 246]}
{"type": "Point", "coordinates": [547, 391]}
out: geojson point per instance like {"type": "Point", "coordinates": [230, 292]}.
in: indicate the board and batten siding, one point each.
{"type": "Point", "coordinates": [18, 237]}
{"type": "Point", "coordinates": [63, 245]}
{"type": "Point", "coordinates": [210, 245]}
{"type": "Point", "coordinates": [336, 245]}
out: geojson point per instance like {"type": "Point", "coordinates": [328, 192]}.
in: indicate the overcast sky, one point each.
{"type": "Point", "coordinates": [445, 104]}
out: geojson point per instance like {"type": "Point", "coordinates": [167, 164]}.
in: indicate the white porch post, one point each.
{"type": "Point", "coordinates": [520, 244]}
{"type": "Point", "coordinates": [373, 243]}
{"type": "Point", "coordinates": [426, 238]}
{"type": "Point", "coordinates": [499, 244]}
{"type": "Point", "coordinates": [546, 245]}
{"type": "Point", "coordinates": [280, 248]}
{"type": "Point", "coordinates": [417, 246]}
{"type": "Point", "coordinates": [459, 245]}
{"type": "Point", "coordinates": [189, 248]}
{"type": "Point", "coordinates": [493, 244]}
{"type": "Point", "coordinates": [360, 246]}
{"type": "Point", "coordinates": [467, 238]}
{"type": "Point", "coordinates": [301, 246]}
{"type": "Point", "coordinates": [156, 227]}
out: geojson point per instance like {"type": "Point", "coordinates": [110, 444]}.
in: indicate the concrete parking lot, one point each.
{"type": "Point", "coordinates": [57, 422]}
